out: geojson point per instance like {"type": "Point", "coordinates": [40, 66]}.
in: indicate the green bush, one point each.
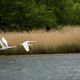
{"type": "Point", "coordinates": [34, 14]}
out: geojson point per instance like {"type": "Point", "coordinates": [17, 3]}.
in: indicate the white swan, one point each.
{"type": "Point", "coordinates": [4, 44]}
{"type": "Point", "coordinates": [26, 45]}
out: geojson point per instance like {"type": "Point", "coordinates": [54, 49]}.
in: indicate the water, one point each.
{"type": "Point", "coordinates": [40, 67]}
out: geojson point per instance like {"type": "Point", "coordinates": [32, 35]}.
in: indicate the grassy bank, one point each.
{"type": "Point", "coordinates": [66, 40]}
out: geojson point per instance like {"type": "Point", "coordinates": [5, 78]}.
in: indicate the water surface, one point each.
{"type": "Point", "coordinates": [40, 67]}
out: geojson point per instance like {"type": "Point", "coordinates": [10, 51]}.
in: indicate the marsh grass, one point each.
{"type": "Point", "coordinates": [64, 40]}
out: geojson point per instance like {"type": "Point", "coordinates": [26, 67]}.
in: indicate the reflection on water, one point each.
{"type": "Point", "coordinates": [40, 67]}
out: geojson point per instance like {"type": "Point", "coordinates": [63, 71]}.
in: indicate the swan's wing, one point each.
{"type": "Point", "coordinates": [26, 46]}
{"type": "Point", "coordinates": [5, 41]}
{"type": "Point", "coordinates": [2, 44]}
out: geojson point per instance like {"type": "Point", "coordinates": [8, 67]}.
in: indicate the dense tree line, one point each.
{"type": "Point", "coordinates": [21, 15]}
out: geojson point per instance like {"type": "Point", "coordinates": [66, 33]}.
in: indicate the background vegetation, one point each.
{"type": "Point", "coordinates": [19, 15]}
{"type": "Point", "coordinates": [64, 40]}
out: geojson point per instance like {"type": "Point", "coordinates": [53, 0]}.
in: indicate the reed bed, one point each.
{"type": "Point", "coordinates": [65, 40]}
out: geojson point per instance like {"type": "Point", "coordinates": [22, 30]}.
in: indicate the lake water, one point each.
{"type": "Point", "coordinates": [40, 67]}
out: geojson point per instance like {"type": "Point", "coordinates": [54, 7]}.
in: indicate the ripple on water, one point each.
{"type": "Point", "coordinates": [40, 67]}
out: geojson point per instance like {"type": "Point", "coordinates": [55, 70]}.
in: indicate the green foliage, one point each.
{"type": "Point", "coordinates": [64, 11]}
{"type": "Point", "coordinates": [76, 18]}
{"type": "Point", "coordinates": [22, 15]}
{"type": "Point", "coordinates": [41, 17]}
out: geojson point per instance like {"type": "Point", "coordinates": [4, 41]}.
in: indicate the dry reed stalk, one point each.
{"type": "Point", "coordinates": [45, 39]}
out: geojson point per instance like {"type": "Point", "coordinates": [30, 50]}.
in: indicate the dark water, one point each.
{"type": "Point", "coordinates": [40, 67]}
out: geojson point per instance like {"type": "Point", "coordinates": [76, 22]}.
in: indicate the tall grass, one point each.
{"type": "Point", "coordinates": [56, 41]}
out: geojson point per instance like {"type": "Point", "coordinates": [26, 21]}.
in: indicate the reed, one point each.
{"type": "Point", "coordinates": [65, 40]}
